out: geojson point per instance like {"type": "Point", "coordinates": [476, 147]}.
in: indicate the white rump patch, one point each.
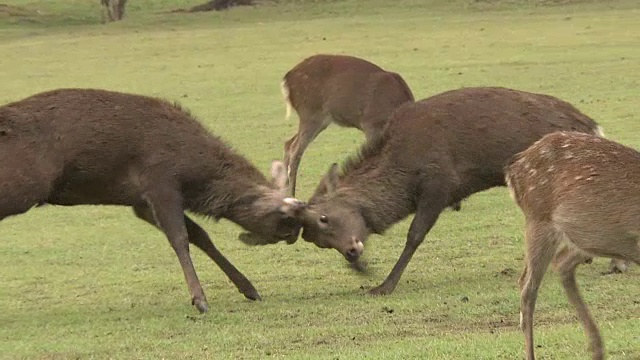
{"type": "Point", "coordinates": [512, 194]}
{"type": "Point", "coordinates": [285, 94]}
{"type": "Point", "coordinates": [521, 319]}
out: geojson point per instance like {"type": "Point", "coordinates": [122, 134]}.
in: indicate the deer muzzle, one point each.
{"type": "Point", "coordinates": [354, 251]}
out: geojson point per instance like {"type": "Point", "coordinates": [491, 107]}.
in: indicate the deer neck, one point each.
{"type": "Point", "coordinates": [229, 192]}
{"type": "Point", "coordinates": [383, 199]}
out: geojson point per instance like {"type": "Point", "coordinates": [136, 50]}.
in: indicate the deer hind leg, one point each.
{"type": "Point", "coordinates": [103, 14]}
{"type": "Point", "coordinates": [540, 245]}
{"type": "Point", "coordinates": [309, 128]}
{"type": "Point", "coordinates": [566, 266]}
{"type": "Point", "coordinates": [164, 210]}
{"type": "Point", "coordinates": [113, 10]}
{"type": "Point", "coordinates": [121, 6]}
{"type": "Point", "coordinates": [107, 11]}
{"type": "Point", "coordinates": [618, 266]}
{"type": "Point", "coordinates": [628, 247]}
{"type": "Point", "coordinates": [199, 238]}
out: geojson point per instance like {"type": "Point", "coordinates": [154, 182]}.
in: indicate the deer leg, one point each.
{"type": "Point", "coordinates": [618, 266]}
{"type": "Point", "coordinates": [165, 212]}
{"type": "Point", "coordinates": [287, 154]}
{"type": "Point", "coordinates": [309, 128]}
{"type": "Point", "coordinates": [113, 4]}
{"type": "Point", "coordinates": [199, 238]}
{"type": "Point", "coordinates": [628, 247]}
{"type": "Point", "coordinates": [121, 7]}
{"type": "Point", "coordinates": [423, 221]}
{"type": "Point", "coordinates": [567, 269]}
{"type": "Point", "coordinates": [103, 15]}
{"type": "Point", "coordinates": [540, 245]}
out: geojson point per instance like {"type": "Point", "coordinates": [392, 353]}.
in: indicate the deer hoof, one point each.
{"type": "Point", "coordinates": [201, 305]}
{"type": "Point", "coordinates": [252, 295]}
{"type": "Point", "coordinates": [380, 291]}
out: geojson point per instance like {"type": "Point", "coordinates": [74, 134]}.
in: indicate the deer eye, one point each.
{"type": "Point", "coordinates": [324, 219]}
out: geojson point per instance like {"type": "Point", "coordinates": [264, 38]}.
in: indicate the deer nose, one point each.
{"type": "Point", "coordinates": [353, 253]}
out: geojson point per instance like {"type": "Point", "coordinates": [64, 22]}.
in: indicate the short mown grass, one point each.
{"type": "Point", "coordinates": [94, 282]}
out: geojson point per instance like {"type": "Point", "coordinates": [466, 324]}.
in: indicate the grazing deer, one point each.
{"type": "Point", "coordinates": [433, 153]}
{"type": "Point", "coordinates": [345, 90]}
{"type": "Point", "coordinates": [86, 146]}
{"type": "Point", "coordinates": [580, 195]}
{"type": "Point", "coordinates": [112, 10]}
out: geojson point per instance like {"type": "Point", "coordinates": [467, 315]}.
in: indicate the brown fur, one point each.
{"type": "Point", "coordinates": [580, 195]}
{"type": "Point", "coordinates": [345, 90]}
{"type": "Point", "coordinates": [112, 10]}
{"type": "Point", "coordinates": [85, 146]}
{"type": "Point", "coordinates": [434, 153]}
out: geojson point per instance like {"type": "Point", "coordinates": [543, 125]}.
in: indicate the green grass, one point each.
{"type": "Point", "coordinates": [94, 282]}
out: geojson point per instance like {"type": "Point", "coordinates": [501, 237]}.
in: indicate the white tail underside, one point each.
{"type": "Point", "coordinates": [285, 95]}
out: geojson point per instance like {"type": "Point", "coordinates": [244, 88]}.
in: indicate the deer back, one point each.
{"type": "Point", "coordinates": [347, 88]}
{"type": "Point", "coordinates": [112, 140]}
{"type": "Point", "coordinates": [477, 130]}
{"type": "Point", "coordinates": [586, 185]}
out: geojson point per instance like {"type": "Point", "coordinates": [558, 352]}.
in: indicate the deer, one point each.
{"type": "Point", "coordinates": [433, 153]}
{"type": "Point", "coordinates": [112, 10]}
{"type": "Point", "coordinates": [348, 91]}
{"type": "Point", "coordinates": [580, 196]}
{"type": "Point", "coordinates": [96, 147]}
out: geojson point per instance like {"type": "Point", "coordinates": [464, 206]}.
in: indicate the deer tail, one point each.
{"type": "Point", "coordinates": [287, 100]}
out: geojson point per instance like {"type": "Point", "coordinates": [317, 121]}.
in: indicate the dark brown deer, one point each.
{"type": "Point", "coordinates": [85, 146]}
{"type": "Point", "coordinates": [580, 196]}
{"type": "Point", "coordinates": [434, 153]}
{"type": "Point", "coordinates": [345, 90]}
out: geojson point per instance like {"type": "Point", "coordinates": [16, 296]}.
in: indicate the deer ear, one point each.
{"type": "Point", "coordinates": [328, 182]}
{"type": "Point", "coordinates": [332, 177]}
{"type": "Point", "coordinates": [279, 174]}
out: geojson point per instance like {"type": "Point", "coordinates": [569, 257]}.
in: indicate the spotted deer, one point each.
{"type": "Point", "coordinates": [340, 89]}
{"type": "Point", "coordinates": [87, 146]}
{"type": "Point", "coordinates": [580, 196]}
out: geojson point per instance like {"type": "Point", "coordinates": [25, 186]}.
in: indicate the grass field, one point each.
{"type": "Point", "coordinates": [94, 282]}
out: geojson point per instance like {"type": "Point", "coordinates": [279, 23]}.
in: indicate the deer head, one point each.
{"type": "Point", "coordinates": [271, 216]}
{"type": "Point", "coordinates": [334, 222]}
